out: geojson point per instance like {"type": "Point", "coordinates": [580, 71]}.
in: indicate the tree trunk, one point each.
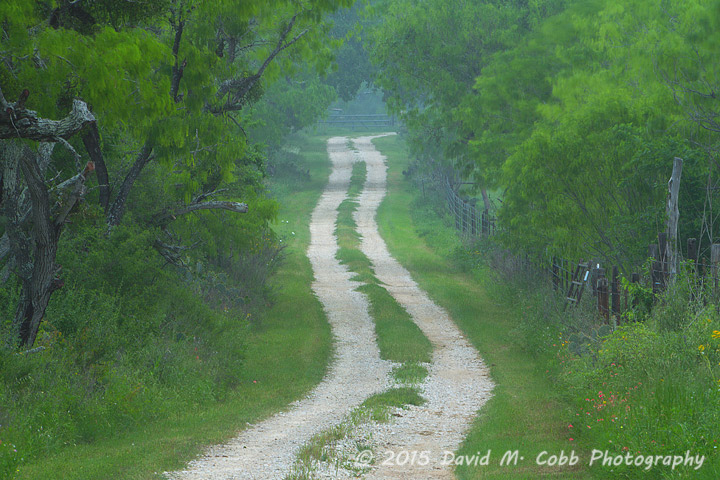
{"type": "Point", "coordinates": [117, 209]}
{"type": "Point", "coordinates": [91, 139]}
{"type": "Point", "coordinates": [36, 272]}
{"type": "Point", "coordinates": [32, 252]}
{"type": "Point", "coordinates": [486, 199]}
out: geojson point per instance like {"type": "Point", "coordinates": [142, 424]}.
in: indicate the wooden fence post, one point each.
{"type": "Point", "coordinates": [615, 292]}
{"type": "Point", "coordinates": [464, 216]}
{"type": "Point", "coordinates": [602, 294]}
{"type": "Point", "coordinates": [670, 253]}
{"type": "Point", "coordinates": [692, 252]}
{"type": "Point", "coordinates": [555, 274]}
{"type": "Point", "coordinates": [714, 261]}
{"type": "Point", "coordinates": [568, 274]}
{"type": "Point", "coordinates": [473, 220]}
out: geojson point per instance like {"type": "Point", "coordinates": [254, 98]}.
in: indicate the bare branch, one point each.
{"type": "Point", "coordinates": [240, 87]}
{"type": "Point", "coordinates": [75, 154]}
{"type": "Point", "coordinates": [21, 123]}
{"type": "Point", "coordinates": [168, 216]}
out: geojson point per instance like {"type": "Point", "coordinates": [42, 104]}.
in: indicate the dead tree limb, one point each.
{"type": "Point", "coordinates": [18, 122]}
{"type": "Point", "coordinates": [164, 218]}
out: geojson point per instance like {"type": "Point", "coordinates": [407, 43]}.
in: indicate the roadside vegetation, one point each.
{"type": "Point", "coordinates": [206, 374]}
{"type": "Point", "coordinates": [575, 114]}
{"type": "Point", "coordinates": [149, 278]}
{"type": "Point", "coordinates": [564, 383]}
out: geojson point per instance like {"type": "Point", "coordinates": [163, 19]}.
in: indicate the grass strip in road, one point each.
{"type": "Point", "coordinates": [287, 355]}
{"type": "Point", "coordinates": [399, 338]}
{"type": "Point", "coordinates": [524, 414]}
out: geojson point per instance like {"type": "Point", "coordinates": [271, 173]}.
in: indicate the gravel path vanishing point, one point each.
{"type": "Point", "coordinates": [458, 383]}
{"type": "Point", "coordinates": [268, 449]}
{"type": "Point", "coordinates": [456, 387]}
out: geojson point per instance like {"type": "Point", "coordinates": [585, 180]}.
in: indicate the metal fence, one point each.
{"type": "Point", "coordinates": [469, 219]}
{"type": "Point", "coordinates": [360, 121]}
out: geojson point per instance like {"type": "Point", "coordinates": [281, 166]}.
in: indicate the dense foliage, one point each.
{"type": "Point", "coordinates": [571, 111]}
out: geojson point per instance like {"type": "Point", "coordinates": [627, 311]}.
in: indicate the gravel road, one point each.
{"type": "Point", "coordinates": [456, 388]}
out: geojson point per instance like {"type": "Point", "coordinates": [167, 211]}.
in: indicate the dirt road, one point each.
{"type": "Point", "coordinates": [456, 387]}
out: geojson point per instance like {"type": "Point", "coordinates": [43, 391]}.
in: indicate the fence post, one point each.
{"type": "Point", "coordinates": [455, 212]}
{"type": "Point", "coordinates": [654, 253]}
{"type": "Point", "coordinates": [692, 252]}
{"type": "Point", "coordinates": [555, 274]}
{"type": "Point", "coordinates": [670, 253]}
{"type": "Point", "coordinates": [615, 292]}
{"type": "Point", "coordinates": [602, 294]}
{"type": "Point", "coordinates": [568, 273]}
{"type": "Point", "coordinates": [473, 221]}
{"type": "Point", "coordinates": [714, 260]}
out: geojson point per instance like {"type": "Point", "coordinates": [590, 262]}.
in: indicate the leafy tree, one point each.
{"type": "Point", "coordinates": [352, 66]}
{"type": "Point", "coordinates": [430, 54]}
{"type": "Point", "coordinates": [158, 95]}
{"type": "Point", "coordinates": [591, 177]}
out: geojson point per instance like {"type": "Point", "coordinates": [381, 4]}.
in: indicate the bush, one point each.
{"type": "Point", "coordinates": [126, 340]}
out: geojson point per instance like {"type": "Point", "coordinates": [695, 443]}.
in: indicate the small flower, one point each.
{"type": "Point", "coordinates": [701, 348]}
{"type": "Point", "coordinates": [571, 439]}
{"type": "Point", "coordinates": [716, 334]}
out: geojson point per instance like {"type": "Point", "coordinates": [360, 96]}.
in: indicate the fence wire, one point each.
{"type": "Point", "coordinates": [469, 220]}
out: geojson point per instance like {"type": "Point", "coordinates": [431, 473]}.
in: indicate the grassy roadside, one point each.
{"type": "Point", "coordinates": [525, 414]}
{"type": "Point", "coordinates": [287, 354]}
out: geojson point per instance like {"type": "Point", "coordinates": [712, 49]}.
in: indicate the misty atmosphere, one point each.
{"type": "Point", "coordinates": [375, 239]}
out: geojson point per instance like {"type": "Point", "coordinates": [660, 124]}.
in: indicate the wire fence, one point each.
{"type": "Point", "coordinates": [574, 277]}
{"type": "Point", "coordinates": [358, 122]}
{"type": "Point", "coordinates": [469, 220]}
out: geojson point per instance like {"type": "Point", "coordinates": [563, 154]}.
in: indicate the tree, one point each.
{"type": "Point", "coordinates": [170, 80]}
{"type": "Point", "coordinates": [431, 54]}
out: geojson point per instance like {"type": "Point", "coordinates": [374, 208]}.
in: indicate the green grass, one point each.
{"type": "Point", "coordinates": [287, 353]}
{"type": "Point", "coordinates": [409, 373]}
{"type": "Point", "coordinates": [379, 405]}
{"type": "Point", "coordinates": [524, 414]}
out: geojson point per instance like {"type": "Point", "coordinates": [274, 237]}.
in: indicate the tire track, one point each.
{"type": "Point", "coordinates": [458, 383]}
